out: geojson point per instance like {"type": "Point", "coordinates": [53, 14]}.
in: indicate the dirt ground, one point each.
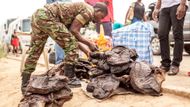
{"type": "Point", "coordinates": [10, 94]}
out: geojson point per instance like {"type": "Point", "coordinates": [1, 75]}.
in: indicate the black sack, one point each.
{"type": "Point", "coordinates": [103, 86]}
{"type": "Point", "coordinates": [43, 84]}
{"type": "Point", "coordinates": [119, 55]}
{"type": "Point", "coordinates": [145, 80]}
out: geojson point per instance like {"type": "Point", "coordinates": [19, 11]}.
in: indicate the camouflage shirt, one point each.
{"type": "Point", "coordinates": [67, 12]}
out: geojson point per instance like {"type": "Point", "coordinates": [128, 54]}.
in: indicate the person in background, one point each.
{"type": "Point", "coordinates": [18, 32]}
{"type": "Point", "coordinates": [108, 20]}
{"type": "Point", "coordinates": [136, 12]}
{"type": "Point", "coordinates": [6, 42]}
{"type": "Point", "coordinates": [62, 22]}
{"type": "Point", "coordinates": [15, 43]}
{"type": "Point", "coordinates": [4, 36]}
{"type": "Point", "coordinates": [172, 13]}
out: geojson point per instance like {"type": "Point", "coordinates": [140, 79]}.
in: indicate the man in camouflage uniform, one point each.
{"type": "Point", "coordinates": [62, 21]}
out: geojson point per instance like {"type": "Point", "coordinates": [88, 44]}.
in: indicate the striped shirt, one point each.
{"type": "Point", "coordinates": [137, 36]}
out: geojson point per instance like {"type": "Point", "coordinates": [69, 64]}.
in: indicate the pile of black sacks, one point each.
{"type": "Point", "coordinates": [106, 72]}
{"type": "Point", "coordinates": [47, 90]}
{"type": "Point", "coordinates": [116, 68]}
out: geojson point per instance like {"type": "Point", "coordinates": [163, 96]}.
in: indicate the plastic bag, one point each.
{"type": "Point", "coordinates": [103, 43]}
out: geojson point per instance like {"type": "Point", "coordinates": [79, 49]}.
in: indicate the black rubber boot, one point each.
{"type": "Point", "coordinates": [25, 81]}
{"type": "Point", "coordinates": [70, 73]}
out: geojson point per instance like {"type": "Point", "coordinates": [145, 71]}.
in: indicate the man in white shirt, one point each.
{"type": "Point", "coordinates": [172, 13]}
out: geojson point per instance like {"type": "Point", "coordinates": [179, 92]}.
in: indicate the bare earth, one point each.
{"type": "Point", "coordinates": [10, 94]}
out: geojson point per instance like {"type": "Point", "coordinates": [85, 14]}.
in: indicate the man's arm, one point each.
{"type": "Point", "coordinates": [130, 13]}
{"type": "Point", "coordinates": [181, 10]}
{"type": "Point", "coordinates": [156, 10]}
{"type": "Point", "coordinates": [75, 30]}
{"type": "Point", "coordinates": [144, 18]}
{"type": "Point", "coordinates": [183, 2]}
{"type": "Point", "coordinates": [158, 4]}
{"type": "Point", "coordinates": [126, 16]}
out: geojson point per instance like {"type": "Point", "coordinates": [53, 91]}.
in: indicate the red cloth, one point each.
{"type": "Point", "coordinates": [15, 42]}
{"type": "Point", "coordinates": [109, 17]}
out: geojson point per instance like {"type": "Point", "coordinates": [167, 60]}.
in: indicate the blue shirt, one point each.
{"type": "Point", "coordinates": [137, 36]}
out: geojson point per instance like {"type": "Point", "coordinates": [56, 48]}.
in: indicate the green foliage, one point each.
{"type": "Point", "coordinates": [2, 53]}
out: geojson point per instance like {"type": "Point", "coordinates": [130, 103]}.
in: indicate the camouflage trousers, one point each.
{"type": "Point", "coordinates": [44, 24]}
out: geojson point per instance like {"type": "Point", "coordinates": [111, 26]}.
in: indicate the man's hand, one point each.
{"type": "Point", "coordinates": [93, 47]}
{"type": "Point", "coordinates": [155, 14]}
{"type": "Point", "coordinates": [156, 10]}
{"type": "Point", "coordinates": [181, 9]}
{"type": "Point", "coordinates": [84, 48]}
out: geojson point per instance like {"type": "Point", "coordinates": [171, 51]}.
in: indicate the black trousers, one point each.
{"type": "Point", "coordinates": [168, 19]}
